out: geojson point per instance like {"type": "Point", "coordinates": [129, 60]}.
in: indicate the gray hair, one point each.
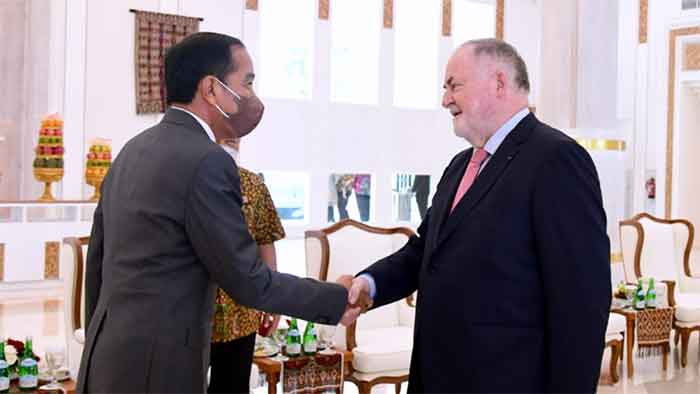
{"type": "Point", "coordinates": [502, 51]}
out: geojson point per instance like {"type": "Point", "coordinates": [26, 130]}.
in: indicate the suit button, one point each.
{"type": "Point", "coordinates": [432, 269]}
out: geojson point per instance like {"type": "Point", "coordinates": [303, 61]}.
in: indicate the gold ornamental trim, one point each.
{"type": "Point", "coordinates": [324, 9]}
{"type": "Point", "coordinates": [446, 18]}
{"type": "Point", "coordinates": [602, 144]}
{"type": "Point", "coordinates": [643, 20]}
{"type": "Point", "coordinates": [388, 14]}
{"type": "Point", "coordinates": [500, 18]}
{"type": "Point", "coordinates": [2, 262]}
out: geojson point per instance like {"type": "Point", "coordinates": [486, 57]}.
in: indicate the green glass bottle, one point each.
{"type": "Point", "coordinates": [639, 297]}
{"type": "Point", "coordinates": [293, 340]}
{"type": "Point", "coordinates": [28, 368]}
{"type": "Point", "coordinates": [310, 339]}
{"type": "Point", "coordinates": [651, 295]}
{"type": "Point", "coordinates": [4, 371]}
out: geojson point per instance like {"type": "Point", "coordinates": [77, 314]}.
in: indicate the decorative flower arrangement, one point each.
{"type": "Point", "coordinates": [14, 350]}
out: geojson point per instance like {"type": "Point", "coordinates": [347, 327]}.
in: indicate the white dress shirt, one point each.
{"type": "Point", "coordinates": [205, 126]}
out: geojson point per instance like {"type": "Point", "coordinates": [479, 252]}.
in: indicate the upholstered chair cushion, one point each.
{"type": "Point", "coordinates": [616, 324]}
{"type": "Point", "coordinates": [383, 349]}
{"type": "Point", "coordinates": [688, 307]}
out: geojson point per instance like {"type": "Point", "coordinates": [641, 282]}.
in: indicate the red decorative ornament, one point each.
{"type": "Point", "coordinates": [651, 188]}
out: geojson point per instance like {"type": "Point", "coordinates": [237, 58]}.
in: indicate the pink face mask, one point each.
{"type": "Point", "coordinates": [250, 112]}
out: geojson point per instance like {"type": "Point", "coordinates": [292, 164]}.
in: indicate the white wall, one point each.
{"type": "Point", "coordinates": [519, 18]}
{"type": "Point", "coordinates": [318, 137]}
{"type": "Point", "coordinates": [597, 65]}
{"type": "Point", "coordinates": [556, 103]}
{"type": "Point", "coordinates": [687, 184]}
{"type": "Point", "coordinates": [109, 62]}
{"type": "Point", "coordinates": [651, 96]}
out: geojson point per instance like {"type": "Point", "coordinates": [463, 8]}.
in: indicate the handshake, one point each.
{"type": "Point", "coordinates": [359, 300]}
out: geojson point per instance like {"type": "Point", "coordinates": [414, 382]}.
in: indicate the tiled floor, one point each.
{"type": "Point", "coordinates": [649, 378]}
{"type": "Point", "coordinates": [44, 320]}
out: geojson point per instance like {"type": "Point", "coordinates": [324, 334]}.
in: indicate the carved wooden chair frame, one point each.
{"type": "Point", "coordinates": [351, 342]}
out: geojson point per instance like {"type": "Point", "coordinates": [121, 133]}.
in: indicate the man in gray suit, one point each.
{"type": "Point", "coordinates": [169, 227]}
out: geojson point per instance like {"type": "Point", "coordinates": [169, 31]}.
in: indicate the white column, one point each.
{"type": "Point", "coordinates": [558, 87]}
{"type": "Point", "coordinates": [596, 89]}
{"type": "Point", "coordinates": [74, 97]}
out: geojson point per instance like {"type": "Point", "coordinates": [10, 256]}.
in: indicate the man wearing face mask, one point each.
{"type": "Point", "coordinates": [169, 228]}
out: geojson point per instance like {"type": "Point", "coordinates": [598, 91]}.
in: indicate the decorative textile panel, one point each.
{"type": "Point", "coordinates": [321, 373]}
{"type": "Point", "coordinates": [155, 33]}
{"type": "Point", "coordinates": [653, 329]}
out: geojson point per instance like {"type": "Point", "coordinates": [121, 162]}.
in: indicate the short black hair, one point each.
{"type": "Point", "coordinates": [192, 59]}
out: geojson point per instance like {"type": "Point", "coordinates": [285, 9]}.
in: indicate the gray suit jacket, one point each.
{"type": "Point", "coordinates": [167, 230]}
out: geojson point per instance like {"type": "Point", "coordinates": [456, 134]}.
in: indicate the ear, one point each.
{"type": "Point", "coordinates": [206, 88]}
{"type": "Point", "coordinates": [501, 83]}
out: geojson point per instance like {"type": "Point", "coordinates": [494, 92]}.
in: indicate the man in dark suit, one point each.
{"type": "Point", "coordinates": [511, 262]}
{"type": "Point", "coordinates": [169, 227]}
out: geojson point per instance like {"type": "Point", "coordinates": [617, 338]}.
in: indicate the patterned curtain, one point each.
{"type": "Point", "coordinates": [155, 33]}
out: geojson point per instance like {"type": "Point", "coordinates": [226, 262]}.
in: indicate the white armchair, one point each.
{"type": "Point", "coordinates": [73, 273]}
{"type": "Point", "coordinates": [382, 339]}
{"type": "Point", "coordinates": [661, 249]}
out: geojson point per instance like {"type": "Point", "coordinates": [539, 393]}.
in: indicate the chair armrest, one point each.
{"type": "Point", "coordinates": [670, 292]}
{"type": "Point", "coordinates": [411, 301]}
{"type": "Point", "coordinates": [350, 338]}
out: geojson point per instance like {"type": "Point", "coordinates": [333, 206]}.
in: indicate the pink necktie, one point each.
{"type": "Point", "coordinates": [478, 157]}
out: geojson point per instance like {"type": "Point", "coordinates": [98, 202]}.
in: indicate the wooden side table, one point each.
{"type": "Point", "coordinates": [68, 388]}
{"type": "Point", "coordinates": [631, 318]}
{"type": "Point", "coordinates": [272, 368]}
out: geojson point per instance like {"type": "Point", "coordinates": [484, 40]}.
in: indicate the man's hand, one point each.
{"type": "Point", "coordinates": [358, 298]}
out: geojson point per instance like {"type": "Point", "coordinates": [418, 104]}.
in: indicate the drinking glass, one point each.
{"type": "Point", "coordinates": [55, 357]}
{"type": "Point", "coordinates": [325, 336]}
{"type": "Point", "coordinates": [280, 337]}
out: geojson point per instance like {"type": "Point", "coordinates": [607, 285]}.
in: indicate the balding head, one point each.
{"type": "Point", "coordinates": [486, 83]}
{"type": "Point", "coordinates": [500, 52]}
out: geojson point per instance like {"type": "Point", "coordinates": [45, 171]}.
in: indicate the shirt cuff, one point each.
{"type": "Point", "coordinates": [372, 285]}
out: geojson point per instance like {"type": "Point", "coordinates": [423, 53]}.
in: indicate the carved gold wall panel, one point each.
{"type": "Point", "coordinates": [51, 250]}
{"type": "Point", "coordinates": [691, 57]}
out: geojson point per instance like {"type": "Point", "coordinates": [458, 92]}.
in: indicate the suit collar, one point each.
{"type": "Point", "coordinates": [205, 126]}
{"type": "Point", "coordinates": [188, 120]}
{"type": "Point", "coordinates": [505, 154]}
{"type": "Point", "coordinates": [500, 135]}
